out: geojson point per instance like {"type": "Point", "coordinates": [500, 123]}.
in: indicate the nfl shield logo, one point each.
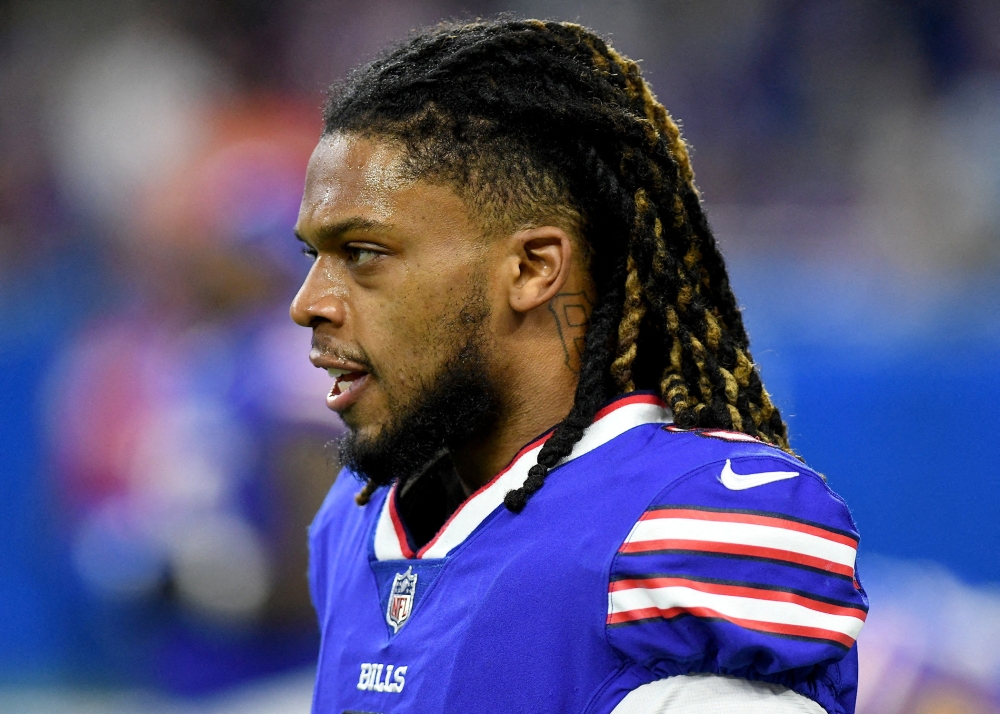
{"type": "Point", "coordinates": [404, 585]}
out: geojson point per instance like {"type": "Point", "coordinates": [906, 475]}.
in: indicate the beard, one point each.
{"type": "Point", "coordinates": [457, 404]}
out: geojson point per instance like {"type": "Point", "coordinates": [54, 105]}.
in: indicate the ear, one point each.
{"type": "Point", "coordinates": [540, 261]}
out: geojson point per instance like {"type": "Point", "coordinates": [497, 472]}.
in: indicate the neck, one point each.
{"type": "Point", "coordinates": [535, 403]}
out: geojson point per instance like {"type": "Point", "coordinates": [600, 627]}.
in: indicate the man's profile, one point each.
{"type": "Point", "coordinates": [577, 494]}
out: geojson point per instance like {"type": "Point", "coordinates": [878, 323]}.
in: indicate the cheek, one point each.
{"type": "Point", "coordinates": [414, 333]}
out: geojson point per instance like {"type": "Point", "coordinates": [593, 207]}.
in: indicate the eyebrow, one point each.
{"type": "Point", "coordinates": [348, 225]}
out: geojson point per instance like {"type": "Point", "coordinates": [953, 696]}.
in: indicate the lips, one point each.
{"type": "Point", "coordinates": [347, 386]}
{"type": "Point", "coordinates": [350, 376]}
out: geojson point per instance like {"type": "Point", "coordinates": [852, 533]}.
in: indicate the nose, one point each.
{"type": "Point", "coordinates": [317, 300]}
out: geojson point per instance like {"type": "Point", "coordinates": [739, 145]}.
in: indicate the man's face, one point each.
{"type": "Point", "coordinates": [397, 297]}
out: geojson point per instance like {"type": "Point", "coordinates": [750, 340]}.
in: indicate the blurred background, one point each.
{"type": "Point", "coordinates": [163, 436]}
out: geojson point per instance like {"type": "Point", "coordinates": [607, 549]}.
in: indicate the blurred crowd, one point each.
{"type": "Point", "coordinates": [164, 441]}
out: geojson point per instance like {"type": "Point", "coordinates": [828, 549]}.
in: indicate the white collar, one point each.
{"type": "Point", "coordinates": [624, 413]}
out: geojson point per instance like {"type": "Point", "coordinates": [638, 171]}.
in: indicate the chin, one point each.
{"type": "Point", "coordinates": [364, 427]}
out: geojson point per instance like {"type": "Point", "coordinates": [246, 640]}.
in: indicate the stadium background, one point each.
{"type": "Point", "coordinates": [162, 433]}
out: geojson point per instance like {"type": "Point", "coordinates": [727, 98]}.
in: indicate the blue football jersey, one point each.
{"type": "Point", "coordinates": [651, 552]}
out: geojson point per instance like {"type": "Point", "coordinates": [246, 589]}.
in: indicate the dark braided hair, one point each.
{"type": "Point", "coordinates": [538, 123]}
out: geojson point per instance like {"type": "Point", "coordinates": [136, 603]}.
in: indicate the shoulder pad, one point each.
{"type": "Point", "coordinates": [744, 566]}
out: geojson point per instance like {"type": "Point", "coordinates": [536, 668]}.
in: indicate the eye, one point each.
{"type": "Point", "coordinates": [360, 256]}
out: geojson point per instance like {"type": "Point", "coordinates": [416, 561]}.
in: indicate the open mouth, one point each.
{"type": "Point", "coordinates": [347, 385]}
{"type": "Point", "coordinates": [343, 380]}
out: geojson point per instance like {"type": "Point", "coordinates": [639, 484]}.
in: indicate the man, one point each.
{"type": "Point", "coordinates": [578, 495]}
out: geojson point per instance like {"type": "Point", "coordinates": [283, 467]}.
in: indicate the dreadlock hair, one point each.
{"type": "Point", "coordinates": [535, 121]}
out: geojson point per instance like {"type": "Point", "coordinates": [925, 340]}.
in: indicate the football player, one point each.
{"type": "Point", "coordinates": [578, 496]}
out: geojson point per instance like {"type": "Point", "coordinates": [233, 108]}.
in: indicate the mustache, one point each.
{"type": "Point", "coordinates": [344, 352]}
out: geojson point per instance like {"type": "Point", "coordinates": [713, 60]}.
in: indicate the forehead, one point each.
{"type": "Point", "coordinates": [352, 178]}
{"type": "Point", "coordinates": [351, 173]}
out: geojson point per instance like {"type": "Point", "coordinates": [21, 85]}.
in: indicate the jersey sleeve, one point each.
{"type": "Point", "coordinates": [744, 567]}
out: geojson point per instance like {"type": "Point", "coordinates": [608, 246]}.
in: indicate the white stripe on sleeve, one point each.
{"type": "Point", "coordinates": [733, 607]}
{"type": "Point", "coordinates": [748, 534]}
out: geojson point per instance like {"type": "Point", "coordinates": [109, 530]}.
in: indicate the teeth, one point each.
{"type": "Point", "coordinates": [337, 373]}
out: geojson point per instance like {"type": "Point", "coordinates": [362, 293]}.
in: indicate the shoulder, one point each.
{"type": "Point", "coordinates": [741, 565]}
{"type": "Point", "coordinates": [341, 524]}
{"type": "Point", "coordinates": [338, 502]}
{"type": "Point", "coordinates": [713, 469]}
{"type": "Point", "coordinates": [723, 471]}
{"type": "Point", "coordinates": [338, 531]}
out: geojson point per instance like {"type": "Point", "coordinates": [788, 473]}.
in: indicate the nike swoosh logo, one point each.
{"type": "Point", "coordinates": [739, 482]}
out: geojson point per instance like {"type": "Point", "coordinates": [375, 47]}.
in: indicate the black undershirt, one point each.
{"type": "Point", "coordinates": [428, 499]}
